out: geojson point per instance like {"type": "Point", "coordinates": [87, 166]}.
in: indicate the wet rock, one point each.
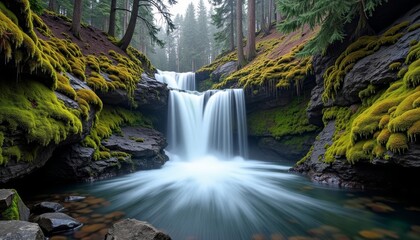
{"type": "Point", "coordinates": [75, 163]}
{"type": "Point", "coordinates": [282, 147]}
{"type": "Point", "coordinates": [137, 141]}
{"type": "Point", "coordinates": [129, 229]}
{"type": "Point", "coordinates": [19, 169]}
{"type": "Point", "coordinates": [18, 230]}
{"type": "Point", "coordinates": [46, 207]}
{"type": "Point", "coordinates": [13, 207]}
{"type": "Point", "coordinates": [224, 70]}
{"type": "Point", "coordinates": [6, 197]}
{"type": "Point", "coordinates": [150, 94]}
{"type": "Point", "coordinates": [56, 222]}
{"type": "Point", "coordinates": [74, 198]}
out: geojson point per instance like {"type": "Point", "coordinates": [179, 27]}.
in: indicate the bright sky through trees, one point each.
{"type": "Point", "coordinates": [182, 5]}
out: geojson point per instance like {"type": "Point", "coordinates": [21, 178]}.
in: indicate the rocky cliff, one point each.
{"type": "Point", "coordinates": [62, 98]}
{"type": "Point", "coordinates": [367, 99]}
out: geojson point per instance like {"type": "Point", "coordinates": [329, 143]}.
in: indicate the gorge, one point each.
{"type": "Point", "coordinates": [281, 146]}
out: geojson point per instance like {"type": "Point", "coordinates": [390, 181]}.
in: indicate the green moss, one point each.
{"type": "Point", "coordinates": [362, 47]}
{"type": "Point", "coordinates": [278, 122]}
{"type": "Point", "coordinates": [271, 73]}
{"type": "Point", "coordinates": [136, 139]}
{"type": "Point", "coordinates": [414, 27]}
{"type": "Point", "coordinates": [12, 153]}
{"type": "Point", "coordinates": [395, 66]}
{"type": "Point", "coordinates": [34, 109]}
{"type": "Point", "coordinates": [307, 156]}
{"type": "Point", "coordinates": [12, 212]}
{"type": "Point", "coordinates": [412, 76]}
{"type": "Point", "coordinates": [8, 13]}
{"type": "Point", "coordinates": [110, 121]}
{"type": "Point", "coordinates": [397, 142]}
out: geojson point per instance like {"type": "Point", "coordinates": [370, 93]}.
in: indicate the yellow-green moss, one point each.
{"type": "Point", "coordinates": [270, 73]}
{"type": "Point", "coordinates": [34, 109]}
{"type": "Point", "coordinates": [362, 47]}
{"type": "Point", "coordinates": [110, 120]}
{"type": "Point", "coordinates": [307, 156]}
{"type": "Point", "coordinates": [136, 139]}
{"type": "Point", "coordinates": [290, 119]}
{"type": "Point", "coordinates": [397, 142]}
{"type": "Point", "coordinates": [395, 66]}
{"type": "Point", "coordinates": [20, 44]}
{"type": "Point", "coordinates": [414, 27]}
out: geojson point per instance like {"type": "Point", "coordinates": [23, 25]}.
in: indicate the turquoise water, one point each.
{"type": "Point", "coordinates": [245, 199]}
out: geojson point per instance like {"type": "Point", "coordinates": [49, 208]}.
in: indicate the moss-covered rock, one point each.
{"type": "Point", "coordinates": [49, 85]}
{"type": "Point", "coordinates": [370, 96]}
{"type": "Point", "coordinates": [12, 206]}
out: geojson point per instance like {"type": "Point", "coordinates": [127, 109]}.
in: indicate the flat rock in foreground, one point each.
{"type": "Point", "coordinates": [17, 230]}
{"type": "Point", "coordinates": [131, 229]}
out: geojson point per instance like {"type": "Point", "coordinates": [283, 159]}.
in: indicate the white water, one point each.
{"type": "Point", "coordinates": [185, 81]}
{"type": "Point", "coordinates": [208, 189]}
{"type": "Point", "coordinates": [211, 123]}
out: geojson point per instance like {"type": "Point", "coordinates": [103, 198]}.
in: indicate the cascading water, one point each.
{"type": "Point", "coordinates": [207, 190]}
{"type": "Point", "coordinates": [212, 123]}
{"type": "Point", "coordinates": [185, 81]}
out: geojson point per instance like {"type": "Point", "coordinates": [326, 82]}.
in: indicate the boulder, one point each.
{"type": "Point", "coordinates": [18, 230]}
{"type": "Point", "coordinates": [144, 144]}
{"type": "Point", "coordinates": [6, 197]}
{"type": "Point", "coordinates": [150, 95]}
{"type": "Point", "coordinates": [224, 70]}
{"type": "Point", "coordinates": [137, 141]}
{"type": "Point", "coordinates": [56, 222]}
{"type": "Point", "coordinates": [12, 207]}
{"type": "Point", "coordinates": [46, 207]}
{"type": "Point", "coordinates": [131, 229]}
{"type": "Point", "coordinates": [75, 163]}
{"type": "Point", "coordinates": [17, 169]}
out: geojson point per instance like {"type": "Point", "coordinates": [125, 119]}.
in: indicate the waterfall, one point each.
{"type": "Point", "coordinates": [185, 81]}
{"type": "Point", "coordinates": [199, 124]}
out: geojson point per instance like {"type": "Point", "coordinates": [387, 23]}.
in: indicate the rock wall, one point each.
{"type": "Point", "coordinates": [362, 144]}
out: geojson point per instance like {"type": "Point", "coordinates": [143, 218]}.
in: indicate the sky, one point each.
{"type": "Point", "coordinates": [182, 5]}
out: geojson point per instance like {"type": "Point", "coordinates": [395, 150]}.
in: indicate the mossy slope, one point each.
{"type": "Point", "coordinates": [275, 67]}
{"type": "Point", "coordinates": [388, 118]}
{"type": "Point", "coordinates": [36, 64]}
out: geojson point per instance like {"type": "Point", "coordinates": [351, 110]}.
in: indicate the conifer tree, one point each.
{"type": "Point", "coordinates": [330, 15]}
{"type": "Point", "coordinates": [202, 35]}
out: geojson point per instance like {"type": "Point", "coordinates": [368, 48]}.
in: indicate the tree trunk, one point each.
{"type": "Point", "coordinates": [77, 16]}
{"type": "Point", "coordinates": [270, 14]}
{"type": "Point", "coordinates": [250, 45]}
{"type": "Point", "coordinates": [52, 5]}
{"type": "Point", "coordinates": [262, 16]}
{"type": "Point", "coordinates": [232, 40]}
{"type": "Point", "coordinates": [111, 29]}
{"type": "Point", "coordinates": [125, 41]}
{"type": "Point", "coordinates": [126, 17]}
{"type": "Point", "coordinates": [239, 34]}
